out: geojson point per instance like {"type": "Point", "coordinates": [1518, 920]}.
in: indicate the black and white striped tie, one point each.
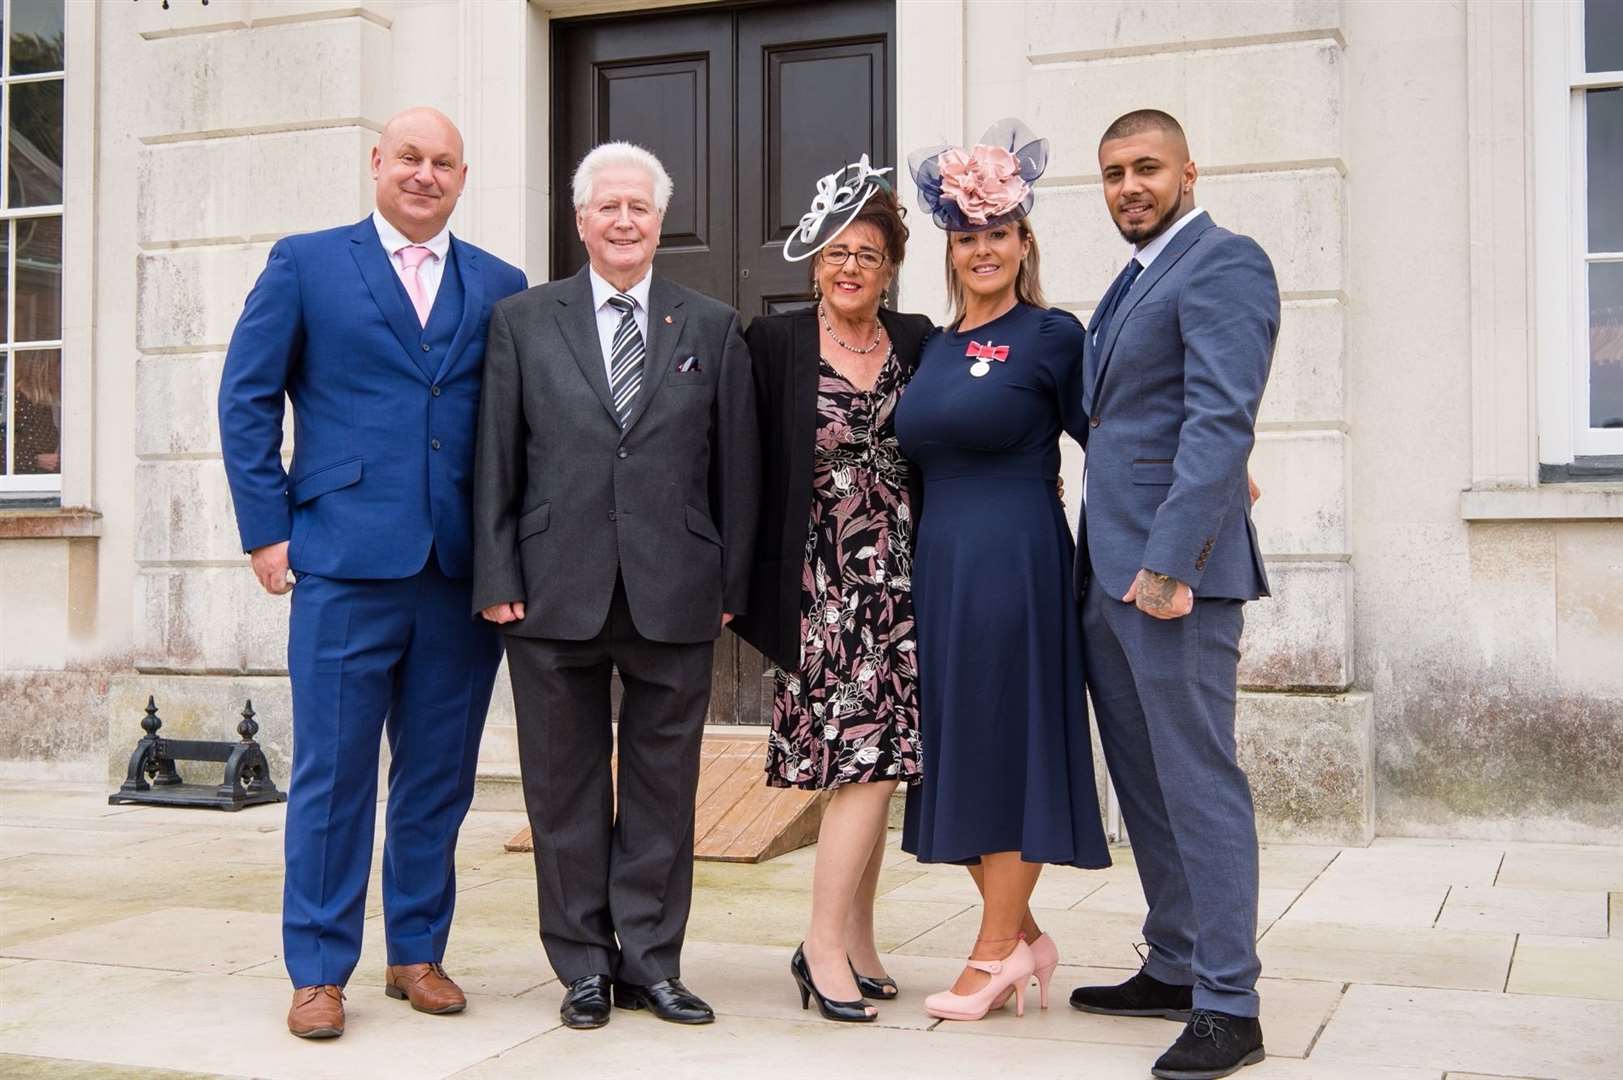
{"type": "Point", "coordinates": [625, 367]}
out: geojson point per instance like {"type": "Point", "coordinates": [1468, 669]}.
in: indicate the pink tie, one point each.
{"type": "Point", "coordinates": [412, 257]}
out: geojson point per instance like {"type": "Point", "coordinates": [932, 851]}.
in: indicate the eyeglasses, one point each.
{"type": "Point", "coordinates": [866, 258]}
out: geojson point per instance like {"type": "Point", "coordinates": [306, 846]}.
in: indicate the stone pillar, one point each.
{"type": "Point", "coordinates": [257, 122]}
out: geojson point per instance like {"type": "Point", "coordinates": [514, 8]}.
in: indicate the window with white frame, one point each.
{"type": "Point", "coordinates": [31, 85]}
{"type": "Point", "coordinates": [1597, 90]}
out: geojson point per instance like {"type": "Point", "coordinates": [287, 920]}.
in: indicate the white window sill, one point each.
{"type": "Point", "coordinates": [1546, 502]}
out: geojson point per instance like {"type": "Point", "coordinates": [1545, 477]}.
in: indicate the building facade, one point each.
{"type": "Point", "coordinates": [1440, 448]}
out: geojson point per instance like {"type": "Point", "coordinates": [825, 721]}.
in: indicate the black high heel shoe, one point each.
{"type": "Point", "coordinates": [879, 989]}
{"type": "Point", "coordinates": [850, 1012]}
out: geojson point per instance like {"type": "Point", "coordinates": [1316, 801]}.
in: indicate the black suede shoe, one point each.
{"type": "Point", "coordinates": [1213, 1044]}
{"type": "Point", "coordinates": [586, 1005]}
{"type": "Point", "coordinates": [669, 1000]}
{"type": "Point", "coordinates": [1142, 995]}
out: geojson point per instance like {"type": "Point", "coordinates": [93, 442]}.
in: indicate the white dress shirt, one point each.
{"type": "Point", "coordinates": [431, 270]}
{"type": "Point", "coordinates": [608, 317]}
{"type": "Point", "coordinates": [1146, 254]}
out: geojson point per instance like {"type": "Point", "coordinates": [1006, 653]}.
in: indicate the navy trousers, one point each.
{"type": "Point", "coordinates": [1163, 695]}
{"type": "Point", "coordinates": [369, 657]}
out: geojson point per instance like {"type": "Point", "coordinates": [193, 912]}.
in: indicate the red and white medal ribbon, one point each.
{"type": "Point", "coordinates": [982, 354]}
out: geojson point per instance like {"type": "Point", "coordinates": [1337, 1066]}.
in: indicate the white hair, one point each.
{"type": "Point", "coordinates": [612, 154]}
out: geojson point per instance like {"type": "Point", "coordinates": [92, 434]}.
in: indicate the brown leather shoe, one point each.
{"type": "Point", "coordinates": [426, 986]}
{"type": "Point", "coordinates": [317, 1012]}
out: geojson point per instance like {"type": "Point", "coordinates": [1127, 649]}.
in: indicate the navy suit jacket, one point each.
{"type": "Point", "coordinates": [1170, 402]}
{"type": "Point", "coordinates": [384, 416]}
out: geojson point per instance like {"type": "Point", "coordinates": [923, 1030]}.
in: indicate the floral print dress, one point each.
{"type": "Point", "coordinates": [850, 713]}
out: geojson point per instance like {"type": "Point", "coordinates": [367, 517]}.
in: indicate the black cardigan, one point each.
{"type": "Point", "coordinates": [783, 357]}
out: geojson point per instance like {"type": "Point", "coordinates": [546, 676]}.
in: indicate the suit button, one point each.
{"type": "Point", "coordinates": [611, 515]}
{"type": "Point", "coordinates": [622, 453]}
{"type": "Point", "coordinates": [435, 443]}
{"type": "Point", "coordinates": [1093, 421]}
{"type": "Point", "coordinates": [434, 390]}
{"type": "Point", "coordinates": [425, 346]}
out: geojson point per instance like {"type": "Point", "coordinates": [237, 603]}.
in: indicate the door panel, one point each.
{"type": "Point", "coordinates": [665, 83]}
{"type": "Point", "coordinates": [746, 106]}
{"type": "Point", "coordinates": [813, 94]}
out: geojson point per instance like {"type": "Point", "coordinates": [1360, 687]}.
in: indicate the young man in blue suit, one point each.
{"type": "Point", "coordinates": [1177, 356]}
{"type": "Point", "coordinates": [376, 333]}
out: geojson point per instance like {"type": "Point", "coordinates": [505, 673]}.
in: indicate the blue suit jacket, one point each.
{"type": "Point", "coordinates": [1170, 405]}
{"type": "Point", "coordinates": [383, 428]}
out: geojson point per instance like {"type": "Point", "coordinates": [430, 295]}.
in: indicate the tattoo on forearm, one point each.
{"type": "Point", "coordinates": [1156, 591]}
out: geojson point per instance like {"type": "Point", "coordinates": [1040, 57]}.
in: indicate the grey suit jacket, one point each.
{"type": "Point", "coordinates": [564, 499]}
{"type": "Point", "coordinates": [1171, 399]}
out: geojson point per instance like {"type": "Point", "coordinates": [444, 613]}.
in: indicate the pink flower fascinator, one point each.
{"type": "Point", "coordinates": [966, 190]}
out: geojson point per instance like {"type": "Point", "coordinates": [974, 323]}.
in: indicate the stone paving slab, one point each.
{"type": "Point", "coordinates": [1368, 902]}
{"type": "Point", "coordinates": [1563, 866]}
{"type": "Point", "coordinates": [638, 1046]}
{"type": "Point", "coordinates": [229, 1023]}
{"type": "Point", "coordinates": [18, 1067]}
{"type": "Point", "coordinates": [1400, 956]}
{"type": "Point", "coordinates": [1525, 911]}
{"type": "Point", "coordinates": [1568, 967]}
{"type": "Point", "coordinates": [1498, 1034]}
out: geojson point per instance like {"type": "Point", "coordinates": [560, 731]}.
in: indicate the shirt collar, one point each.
{"type": "Point", "coordinates": [602, 290]}
{"type": "Point", "coordinates": [393, 239]}
{"type": "Point", "coordinates": [1147, 254]}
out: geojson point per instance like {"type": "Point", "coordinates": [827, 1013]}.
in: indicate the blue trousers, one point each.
{"type": "Point", "coordinates": [1163, 696]}
{"type": "Point", "coordinates": [369, 657]}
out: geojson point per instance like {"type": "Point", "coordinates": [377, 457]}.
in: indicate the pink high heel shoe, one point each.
{"type": "Point", "coordinates": [1046, 956]}
{"type": "Point", "coordinates": [1009, 975]}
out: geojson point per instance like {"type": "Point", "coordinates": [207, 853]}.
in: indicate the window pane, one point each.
{"type": "Point", "coordinates": [1603, 35]}
{"type": "Point", "coordinates": [36, 36]}
{"type": "Point", "coordinates": [5, 269]}
{"type": "Point", "coordinates": [1604, 141]}
{"type": "Point", "coordinates": [1606, 345]}
{"type": "Point", "coordinates": [5, 418]}
{"type": "Point", "coordinates": [38, 288]}
{"type": "Point", "coordinates": [34, 171]}
{"type": "Point", "coordinates": [37, 412]}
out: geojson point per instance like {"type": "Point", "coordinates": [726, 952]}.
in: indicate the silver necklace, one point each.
{"type": "Point", "coordinates": [878, 332]}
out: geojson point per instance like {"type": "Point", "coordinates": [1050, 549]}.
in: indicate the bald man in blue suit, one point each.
{"type": "Point", "coordinates": [376, 333]}
{"type": "Point", "coordinates": [1176, 359]}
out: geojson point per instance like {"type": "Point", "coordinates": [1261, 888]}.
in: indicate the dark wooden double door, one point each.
{"type": "Point", "coordinates": [746, 106]}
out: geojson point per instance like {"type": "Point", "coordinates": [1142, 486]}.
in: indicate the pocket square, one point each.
{"type": "Point", "coordinates": [690, 364]}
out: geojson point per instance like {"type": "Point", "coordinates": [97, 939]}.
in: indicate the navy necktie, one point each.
{"type": "Point", "coordinates": [627, 351]}
{"type": "Point", "coordinates": [1118, 293]}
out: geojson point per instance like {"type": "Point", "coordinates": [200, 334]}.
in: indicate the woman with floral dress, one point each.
{"type": "Point", "coordinates": [830, 601]}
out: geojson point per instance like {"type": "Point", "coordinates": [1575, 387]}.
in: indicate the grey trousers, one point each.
{"type": "Point", "coordinates": [615, 883]}
{"type": "Point", "coordinates": [1163, 694]}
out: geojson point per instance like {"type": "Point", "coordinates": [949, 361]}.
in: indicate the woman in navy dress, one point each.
{"type": "Point", "coordinates": [1008, 768]}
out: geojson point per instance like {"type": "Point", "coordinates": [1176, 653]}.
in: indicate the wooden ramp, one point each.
{"type": "Point", "coordinates": [737, 818]}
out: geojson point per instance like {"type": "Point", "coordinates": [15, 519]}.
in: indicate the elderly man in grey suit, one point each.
{"type": "Point", "coordinates": [1177, 357]}
{"type": "Point", "coordinates": [615, 500]}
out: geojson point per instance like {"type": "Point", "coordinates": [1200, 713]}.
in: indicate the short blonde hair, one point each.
{"type": "Point", "coordinates": [611, 154]}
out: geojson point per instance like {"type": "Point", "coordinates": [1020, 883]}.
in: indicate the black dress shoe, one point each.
{"type": "Point", "coordinates": [1213, 1044]}
{"type": "Point", "coordinates": [669, 1000]}
{"type": "Point", "coordinates": [586, 1005]}
{"type": "Point", "coordinates": [1142, 995]}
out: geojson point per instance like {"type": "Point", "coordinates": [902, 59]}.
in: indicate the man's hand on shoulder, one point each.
{"type": "Point", "coordinates": [505, 613]}
{"type": "Point", "coordinates": [270, 567]}
{"type": "Point", "coordinates": [1160, 596]}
